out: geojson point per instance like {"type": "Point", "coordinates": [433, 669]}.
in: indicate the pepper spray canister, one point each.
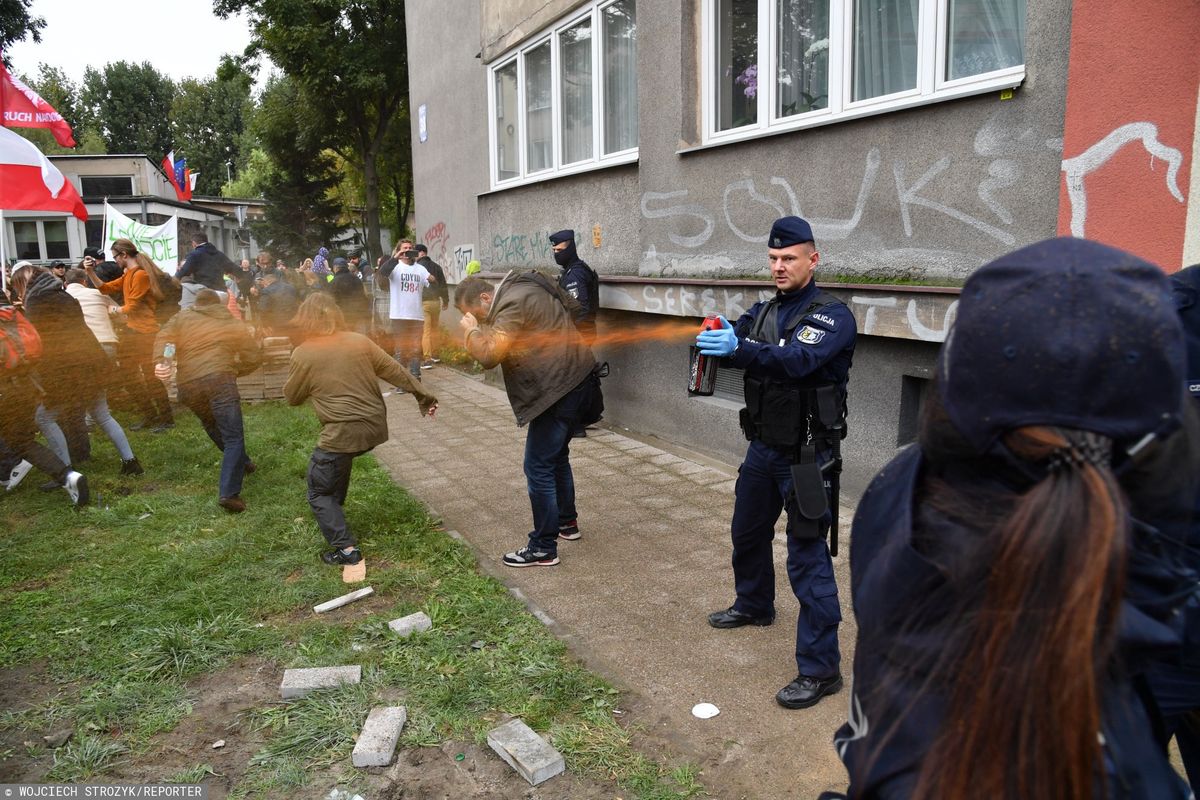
{"type": "Point", "coordinates": [702, 372]}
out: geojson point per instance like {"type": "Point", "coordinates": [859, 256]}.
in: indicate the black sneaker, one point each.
{"type": "Point", "coordinates": [336, 556]}
{"type": "Point", "coordinates": [77, 487]}
{"type": "Point", "coordinates": [525, 557]}
{"type": "Point", "coordinates": [131, 467]}
{"type": "Point", "coordinates": [569, 531]}
{"type": "Point", "coordinates": [50, 486]}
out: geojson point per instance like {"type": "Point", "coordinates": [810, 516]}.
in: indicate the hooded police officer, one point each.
{"type": "Point", "coordinates": [796, 351]}
{"type": "Point", "coordinates": [579, 280]}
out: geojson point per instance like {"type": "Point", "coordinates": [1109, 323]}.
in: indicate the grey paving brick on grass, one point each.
{"type": "Point", "coordinates": [525, 751]}
{"type": "Point", "coordinates": [413, 623]}
{"type": "Point", "coordinates": [299, 682]}
{"type": "Point", "coordinates": [377, 741]}
{"type": "Point", "coordinates": [345, 599]}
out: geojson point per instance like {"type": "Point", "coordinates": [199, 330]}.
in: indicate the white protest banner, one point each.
{"type": "Point", "coordinates": [161, 243]}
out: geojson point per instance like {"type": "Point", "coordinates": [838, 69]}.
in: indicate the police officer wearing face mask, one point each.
{"type": "Point", "coordinates": [579, 280]}
{"type": "Point", "coordinates": [796, 351]}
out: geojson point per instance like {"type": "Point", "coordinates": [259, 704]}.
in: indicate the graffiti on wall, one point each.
{"type": "Point", "coordinates": [437, 239]}
{"type": "Point", "coordinates": [1077, 168]}
{"type": "Point", "coordinates": [516, 249]}
{"type": "Point", "coordinates": [922, 190]}
{"type": "Point", "coordinates": [921, 316]}
{"type": "Point", "coordinates": [457, 268]}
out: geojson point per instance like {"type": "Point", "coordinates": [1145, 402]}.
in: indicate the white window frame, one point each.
{"type": "Point", "coordinates": [10, 223]}
{"type": "Point", "coordinates": [598, 160]}
{"type": "Point", "coordinates": [932, 87]}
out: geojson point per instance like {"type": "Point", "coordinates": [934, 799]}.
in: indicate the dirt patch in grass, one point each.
{"type": "Point", "coordinates": [220, 702]}
{"type": "Point", "coordinates": [436, 773]}
{"type": "Point", "coordinates": [22, 688]}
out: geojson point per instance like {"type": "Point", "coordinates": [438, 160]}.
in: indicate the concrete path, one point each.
{"type": "Point", "coordinates": [630, 597]}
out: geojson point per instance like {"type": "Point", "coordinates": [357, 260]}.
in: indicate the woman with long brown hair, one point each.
{"type": "Point", "coordinates": [1008, 585]}
{"type": "Point", "coordinates": [141, 285]}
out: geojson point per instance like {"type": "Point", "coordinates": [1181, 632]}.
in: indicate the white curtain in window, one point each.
{"type": "Point", "coordinates": [620, 77]}
{"type": "Point", "coordinates": [802, 51]}
{"type": "Point", "coordinates": [508, 120]}
{"type": "Point", "coordinates": [736, 64]}
{"type": "Point", "coordinates": [575, 54]}
{"type": "Point", "coordinates": [539, 119]}
{"type": "Point", "coordinates": [984, 36]}
{"type": "Point", "coordinates": [885, 47]}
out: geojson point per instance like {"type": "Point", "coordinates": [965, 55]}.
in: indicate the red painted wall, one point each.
{"type": "Point", "coordinates": [1134, 70]}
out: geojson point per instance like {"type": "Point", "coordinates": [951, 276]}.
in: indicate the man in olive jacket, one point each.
{"type": "Point", "coordinates": [340, 372]}
{"type": "Point", "coordinates": [525, 324]}
{"type": "Point", "coordinates": [211, 350]}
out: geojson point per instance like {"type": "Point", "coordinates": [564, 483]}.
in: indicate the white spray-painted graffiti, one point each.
{"type": "Point", "coordinates": [1079, 167]}
{"type": "Point", "coordinates": [692, 225]}
{"type": "Point", "coordinates": [923, 316]}
{"type": "Point", "coordinates": [463, 255]}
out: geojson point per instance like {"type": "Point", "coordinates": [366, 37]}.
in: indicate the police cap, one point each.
{"type": "Point", "coordinates": [788, 231]}
{"type": "Point", "coordinates": [566, 235]}
{"type": "Point", "coordinates": [1067, 333]}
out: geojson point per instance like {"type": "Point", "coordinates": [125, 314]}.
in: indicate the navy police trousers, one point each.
{"type": "Point", "coordinates": [764, 489]}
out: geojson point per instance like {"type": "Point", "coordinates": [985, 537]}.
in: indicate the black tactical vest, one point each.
{"type": "Point", "coordinates": [785, 414]}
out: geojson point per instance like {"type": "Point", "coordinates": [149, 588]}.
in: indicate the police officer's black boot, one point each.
{"type": "Point", "coordinates": [804, 691]}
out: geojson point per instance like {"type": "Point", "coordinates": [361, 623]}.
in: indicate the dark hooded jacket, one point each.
{"type": "Point", "coordinates": [896, 583]}
{"type": "Point", "coordinates": [73, 364]}
{"type": "Point", "coordinates": [206, 265]}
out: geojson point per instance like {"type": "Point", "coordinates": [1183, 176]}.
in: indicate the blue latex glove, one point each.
{"type": "Point", "coordinates": [720, 342]}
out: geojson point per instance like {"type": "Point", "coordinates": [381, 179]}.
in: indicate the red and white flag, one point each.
{"type": "Point", "coordinates": [29, 182]}
{"type": "Point", "coordinates": [24, 108]}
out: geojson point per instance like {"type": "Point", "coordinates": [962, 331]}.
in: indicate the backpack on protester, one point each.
{"type": "Point", "coordinates": [20, 344]}
{"type": "Point", "coordinates": [591, 410]}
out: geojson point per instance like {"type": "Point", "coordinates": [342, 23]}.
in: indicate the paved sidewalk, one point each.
{"type": "Point", "coordinates": [630, 597]}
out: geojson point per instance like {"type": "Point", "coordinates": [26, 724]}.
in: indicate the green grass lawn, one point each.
{"type": "Point", "coordinates": [128, 601]}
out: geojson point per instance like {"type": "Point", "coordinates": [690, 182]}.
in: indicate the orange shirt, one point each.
{"type": "Point", "coordinates": [139, 302]}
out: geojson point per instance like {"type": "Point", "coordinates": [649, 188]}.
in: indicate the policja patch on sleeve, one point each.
{"type": "Point", "coordinates": [810, 335]}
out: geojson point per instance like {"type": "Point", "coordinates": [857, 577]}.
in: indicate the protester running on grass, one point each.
{"type": "Point", "coordinates": [340, 372]}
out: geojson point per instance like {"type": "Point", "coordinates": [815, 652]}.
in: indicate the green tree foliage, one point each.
{"type": "Point", "coordinates": [16, 24]}
{"type": "Point", "coordinates": [248, 183]}
{"type": "Point", "coordinates": [208, 120]}
{"type": "Point", "coordinates": [63, 95]}
{"type": "Point", "coordinates": [348, 57]}
{"type": "Point", "coordinates": [302, 214]}
{"type": "Point", "coordinates": [130, 105]}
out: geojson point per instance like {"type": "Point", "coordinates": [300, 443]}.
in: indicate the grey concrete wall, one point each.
{"type": "Point", "coordinates": [450, 168]}
{"type": "Point", "coordinates": [504, 24]}
{"type": "Point", "coordinates": [514, 223]}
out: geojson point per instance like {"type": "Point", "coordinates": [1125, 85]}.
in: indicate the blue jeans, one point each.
{"type": "Point", "coordinates": [764, 490]}
{"type": "Point", "coordinates": [48, 421]}
{"type": "Point", "coordinates": [548, 469]}
{"type": "Point", "coordinates": [215, 400]}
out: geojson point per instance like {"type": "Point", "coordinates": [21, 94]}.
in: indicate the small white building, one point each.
{"type": "Point", "coordinates": [136, 186]}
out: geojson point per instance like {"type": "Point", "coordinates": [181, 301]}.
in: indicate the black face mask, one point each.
{"type": "Point", "coordinates": [566, 256]}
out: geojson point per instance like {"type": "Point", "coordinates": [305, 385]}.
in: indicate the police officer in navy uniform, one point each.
{"type": "Point", "coordinates": [796, 351]}
{"type": "Point", "coordinates": [579, 280]}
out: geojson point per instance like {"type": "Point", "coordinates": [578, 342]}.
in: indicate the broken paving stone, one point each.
{"type": "Point", "coordinates": [299, 682]}
{"type": "Point", "coordinates": [377, 741]}
{"type": "Point", "coordinates": [526, 752]}
{"type": "Point", "coordinates": [218, 744]}
{"type": "Point", "coordinates": [413, 623]}
{"type": "Point", "coordinates": [342, 794]}
{"type": "Point", "coordinates": [478, 644]}
{"type": "Point", "coordinates": [57, 739]}
{"type": "Point", "coordinates": [345, 599]}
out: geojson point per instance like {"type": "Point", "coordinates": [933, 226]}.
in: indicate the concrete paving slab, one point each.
{"type": "Point", "coordinates": [526, 752]}
{"type": "Point", "coordinates": [377, 741]}
{"type": "Point", "coordinates": [299, 682]}
{"type": "Point", "coordinates": [413, 623]}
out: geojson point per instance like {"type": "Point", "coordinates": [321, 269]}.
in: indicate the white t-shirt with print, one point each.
{"type": "Point", "coordinates": [405, 285]}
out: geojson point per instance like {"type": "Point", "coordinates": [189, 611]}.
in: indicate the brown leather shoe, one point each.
{"type": "Point", "coordinates": [234, 505]}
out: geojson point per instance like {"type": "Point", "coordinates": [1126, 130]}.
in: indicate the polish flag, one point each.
{"type": "Point", "coordinates": [29, 182]}
{"type": "Point", "coordinates": [24, 108]}
{"type": "Point", "coordinates": [179, 175]}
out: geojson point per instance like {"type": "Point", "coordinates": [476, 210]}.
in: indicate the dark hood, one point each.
{"type": "Point", "coordinates": [41, 285]}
